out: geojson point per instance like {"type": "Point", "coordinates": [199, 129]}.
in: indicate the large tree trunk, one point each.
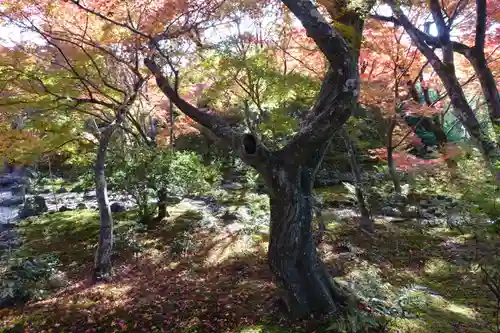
{"type": "Point", "coordinates": [102, 265]}
{"type": "Point", "coordinates": [292, 254]}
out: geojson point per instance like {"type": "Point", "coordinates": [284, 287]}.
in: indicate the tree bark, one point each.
{"type": "Point", "coordinates": [162, 204]}
{"type": "Point", "coordinates": [292, 254]}
{"type": "Point", "coordinates": [390, 158]}
{"type": "Point", "coordinates": [488, 85]}
{"type": "Point", "coordinates": [366, 223]}
{"type": "Point", "coordinates": [102, 265]}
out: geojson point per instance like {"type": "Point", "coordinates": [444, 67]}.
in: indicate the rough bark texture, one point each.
{"type": "Point", "coordinates": [102, 265]}
{"type": "Point", "coordinates": [488, 85]}
{"type": "Point", "coordinates": [292, 254]}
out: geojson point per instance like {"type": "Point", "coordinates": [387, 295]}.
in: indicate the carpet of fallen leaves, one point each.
{"type": "Point", "coordinates": [158, 292]}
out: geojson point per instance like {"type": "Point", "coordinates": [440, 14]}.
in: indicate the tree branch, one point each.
{"type": "Point", "coordinates": [480, 25]}
{"type": "Point", "coordinates": [246, 146]}
{"type": "Point", "coordinates": [340, 88]}
{"type": "Point", "coordinates": [329, 40]}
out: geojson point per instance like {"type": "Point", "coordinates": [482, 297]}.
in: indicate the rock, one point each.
{"type": "Point", "coordinates": [57, 281]}
{"type": "Point", "coordinates": [64, 209]}
{"type": "Point", "coordinates": [62, 190]}
{"type": "Point", "coordinates": [397, 199]}
{"type": "Point", "coordinates": [320, 183]}
{"type": "Point", "coordinates": [173, 200]}
{"type": "Point", "coordinates": [18, 190]}
{"type": "Point", "coordinates": [81, 205]}
{"type": "Point", "coordinates": [412, 211]}
{"type": "Point", "coordinates": [242, 214]}
{"type": "Point", "coordinates": [235, 227]}
{"type": "Point", "coordinates": [10, 202]}
{"type": "Point", "coordinates": [228, 217]}
{"type": "Point", "coordinates": [11, 180]}
{"type": "Point", "coordinates": [439, 214]}
{"type": "Point", "coordinates": [117, 207]}
{"type": "Point", "coordinates": [33, 206]}
{"type": "Point", "coordinates": [232, 186]}
{"type": "Point", "coordinates": [431, 210]}
{"type": "Point", "coordinates": [391, 211]}
{"type": "Point", "coordinates": [89, 195]}
{"type": "Point", "coordinates": [424, 204]}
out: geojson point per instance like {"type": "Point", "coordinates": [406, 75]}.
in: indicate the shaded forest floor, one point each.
{"type": "Point", "coordinates": [183, 277]}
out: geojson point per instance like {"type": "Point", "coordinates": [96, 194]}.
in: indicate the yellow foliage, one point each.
{"type": "Point", "coordinates": [18, 146]}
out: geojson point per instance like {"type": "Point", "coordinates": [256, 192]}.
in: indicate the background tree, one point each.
{"type": "Point", "coordinates": [445, 68]}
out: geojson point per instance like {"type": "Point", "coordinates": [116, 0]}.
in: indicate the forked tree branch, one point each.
{"type": "Point", "coordinates": [246, 146]}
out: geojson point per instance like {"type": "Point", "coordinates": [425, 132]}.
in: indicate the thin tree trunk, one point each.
{"type": "Point", "coordinates": [162, 204]}
{"type": "Point", "coordinates": [488, 86]}
{"type": "Point", "coordinates": [172, 124]}
{"type": "Point", "coordinates": [366, 223]}
{"type": "Point", "coordinates": [445, 69]}
{"type": "Point", "coordinates": [292, 254]}
{"type": "Point", "coordinates": [102, 265]}
{"type": "Point", "coordinates": [390, 159]}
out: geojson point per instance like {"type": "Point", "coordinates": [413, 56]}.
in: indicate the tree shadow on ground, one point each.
{"type": "Point", "coordinates": [220, 281]}
{"type": "Point", "coordinates": [160, 291]}
{"type": "Point", "coordinates": [411, 254]}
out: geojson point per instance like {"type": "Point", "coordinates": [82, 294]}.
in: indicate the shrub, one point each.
{"type": "Point", "coordinates": [145, 173]}
{"type": "Point", "coordinates": [24, 278]}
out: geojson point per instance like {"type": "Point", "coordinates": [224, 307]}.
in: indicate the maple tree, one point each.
{"type": "Point", "coordinates": [76, 70]}
{"type": "Point", "coordinates": [101, 55]}
{"type": "Point", "coordinates": [444, 19]}
{"type": "Point", "coordinates": [289, 172]}
{"type": "Point", "coordinates": [392, 86]}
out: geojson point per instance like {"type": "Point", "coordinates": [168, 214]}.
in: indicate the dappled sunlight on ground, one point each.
{"type": "Point", "coordinates": [189, 278]}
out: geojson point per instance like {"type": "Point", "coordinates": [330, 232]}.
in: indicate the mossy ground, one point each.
{"type": "Point", "coordinates": [179, 277]}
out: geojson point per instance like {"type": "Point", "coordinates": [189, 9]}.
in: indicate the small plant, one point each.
{"type": "Point", "coordinates": [25, 278]}
{"type": "Point", "coordinates": [382, 297]}
{"type": "Point", "coordinates": [355, 321]}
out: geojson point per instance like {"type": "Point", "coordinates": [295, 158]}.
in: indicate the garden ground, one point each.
{"type": "Point", "coordinates": [183, 277]}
